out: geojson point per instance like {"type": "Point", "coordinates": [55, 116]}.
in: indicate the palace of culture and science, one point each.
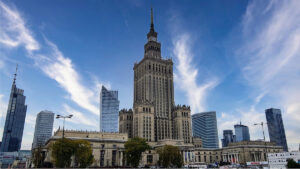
{"type": "Point", "coordinates": [155, 116]}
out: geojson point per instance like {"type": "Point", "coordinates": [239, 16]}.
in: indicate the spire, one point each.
{"type": "Point", "coordinates": [152, 24]}
{"type": "Point", "coordinates": [152, 33]}
{"type": "Point", "coordinates": [15, 75]}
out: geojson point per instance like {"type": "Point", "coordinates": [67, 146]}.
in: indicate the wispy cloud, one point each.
{"type": "Point", "coordinates": [270, 55]}
{"type": "Point", "coordinates": [52, 62]}
{"type": "Point", "coordinates": [80, 118]}
{"type": "Point", "coordinates": [13, 30]}
{"type": "Point", "coordinates": [61, 69]}
{"type": "Point", "coordinates": [187, 75]}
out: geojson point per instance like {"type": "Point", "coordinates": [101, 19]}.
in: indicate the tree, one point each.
{"type": "Point", "coordinates": [62, 151]}
{"type": "Point", "coordinates": [292, 164]}
{"type": "Point", "coordinates": [170, 156]}
{"type": "Point", "coordinates": [37, 157]}
{"type": "Point", "coordinates": [83, 153]}
{"type": "Point", "coordinates": [134, 149]}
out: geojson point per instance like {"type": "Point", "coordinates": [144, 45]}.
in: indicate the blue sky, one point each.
{"type": "Point", "coordinates": [237, 58]}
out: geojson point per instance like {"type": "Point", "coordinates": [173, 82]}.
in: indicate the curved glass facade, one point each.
{"type": "Point", "coordinates": [204, 125]}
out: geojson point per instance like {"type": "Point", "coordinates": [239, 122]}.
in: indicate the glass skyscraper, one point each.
{"type": "Point", "coordinates": [109, 110]}
{"type": "Point", "coordinates": [204, 125]}
{"type": "Point", "coordinates": [15, 120]}
{"type": "Point", "coordinates": [276, 128]}
{"type": "Point", "coordinates": [228, 137]}
{"type": "Point", "coordinates": [241, 133]}
{"type": "Point", "coordinates": [43, 128]}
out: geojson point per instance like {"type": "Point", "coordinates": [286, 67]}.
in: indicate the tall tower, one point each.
{"type": "Point", "coordinates": [153, 92]}
{"type": "Point", "coordinates": [109, 110]}
{"type": "Point", "coordinates": [43, 128]}
{"type": "Point", "coordinates": [204, 125]}
{"type": "Point", "coordinates": [276, 127]}
{"type": "Point", "coordinates": [241, 132]}
{"type": "Point", "coordinates": [15, 119]}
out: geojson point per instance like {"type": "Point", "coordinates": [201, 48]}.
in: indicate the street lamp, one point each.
{"type": "Point", "coordinates": [64, 117]}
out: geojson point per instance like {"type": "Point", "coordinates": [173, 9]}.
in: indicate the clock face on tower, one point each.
{"type": "Point", "coordinates": [152, 38]}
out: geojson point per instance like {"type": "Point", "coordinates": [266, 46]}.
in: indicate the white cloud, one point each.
{"type": "Point", "coordinates": [15, 32]}
{"type": "Point", "coordinates": [53, 63]}
{"type": "Point", "coordinates": [30, 119]}
{"type": "Point", "coordinates": [186, 75]}
{"type": "Point", "coordinates": [62, 70]}
{"type": "Point", "coordinates": [270, 56]}
{"type": "Point", "coordinates": [80, 118]}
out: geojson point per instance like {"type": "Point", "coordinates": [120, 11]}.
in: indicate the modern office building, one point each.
{"type": "Point", "coordinates": [279, 160]}
{"type": "Point", "coordinates": [15, 120]}
{"type": "Point", "coordinates": [204, 125]}
{"type": "Point", "coordinates": [276, 127]}
{"type": "Point", "coordinates": [43, 128]}
{"type": "Point", "coordinates": [109, 110]}
{"type": "Point", "coordinates": [241, 132]}
{"type": "Point", "coordinates": [228, 137]}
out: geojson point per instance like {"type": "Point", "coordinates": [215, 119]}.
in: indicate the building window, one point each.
{"type": "Point", "coordinates": [149, 158]}
{"type": "Point", "coordinates": [102, 152]}
{"type": "Point", "coordinates": [113, 159]}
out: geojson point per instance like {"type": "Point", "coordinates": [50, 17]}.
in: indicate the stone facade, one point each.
{"type": "Point", "coordinates": [182, 123]}
{"type": "Point", "coordinates": [240, 152]}
{"type": "Point", "coordinates": [108, 148]}
{"type": "Point", "coordinates": [197, 141]}
{"type": "Point", "coordinates": [125, 124]}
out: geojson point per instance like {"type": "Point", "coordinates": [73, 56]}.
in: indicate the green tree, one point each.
{"type": "Point", "coordinates": [62, 151]}
{"type": "Point", "coordinates": [134, 149]}
{"type": "Point", "coordinates": [37, 157]}
{"type": "Point", "coordinates": [83, 153]}
{"type": "Point", "coordinates": [292, 164]}
{"type": "Point", "coordinates": [170, 156]}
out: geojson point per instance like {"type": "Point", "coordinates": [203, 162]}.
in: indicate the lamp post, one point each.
{"type": "Point", "coordinates": [64, 117]}
{"type": "Point", "coordinates": [262, 127]}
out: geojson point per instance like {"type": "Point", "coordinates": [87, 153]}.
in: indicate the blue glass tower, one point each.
{"type": "Point", "coordinates": [204, 125]}
{"type": "Point", "coordinates": [228, 137]}
{"type": "Point", "coordinates": [241, 133]}
{"type": "Point", "coordinates": [15, 120]}
{"type": "Point", "coordinates": [109, 110]}
{"type": "Point", "coordinates": [276, 128]}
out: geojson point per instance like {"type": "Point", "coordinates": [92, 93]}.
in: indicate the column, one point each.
{"type": "Point", "coordinates": [121, 158]}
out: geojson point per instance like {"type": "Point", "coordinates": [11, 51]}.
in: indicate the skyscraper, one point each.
{"type": "Point", "coordinates": [15, 120]}
{"type": "Point", "coordinates": [228, 137]}
{"type": "Point", "coordinates": [241, 132]}
{"type": "Point", "coordinates": [109, 110]}
{"type": "Point", "coordinates": [204, 125]}
{"type": "Point", "coordinates": [155, 116]}
{"type": "Point", "coordinates": [153, 91]}
{"type": "Point", "coordinates": [276, 128]}
{"type": "Point", "coordinates": [43, 128]}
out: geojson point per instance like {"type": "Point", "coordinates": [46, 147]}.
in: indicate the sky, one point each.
{"type": "Point", "coordinates": [237, 58]}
